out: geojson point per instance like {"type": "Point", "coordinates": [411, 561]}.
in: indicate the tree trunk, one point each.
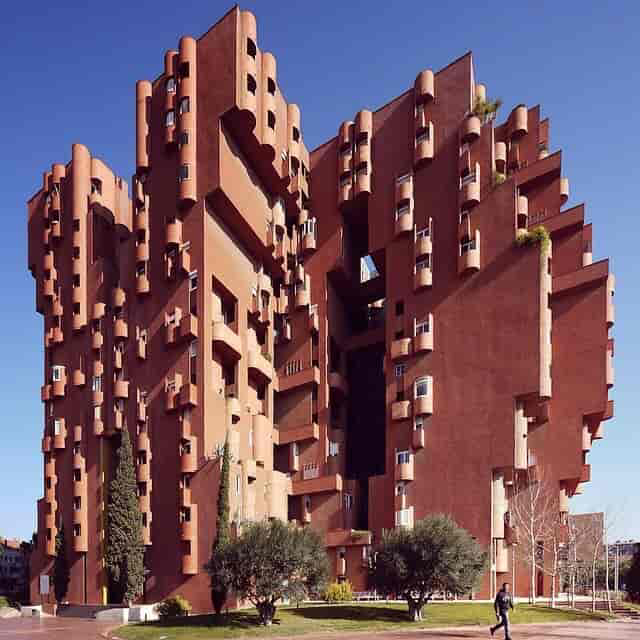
{"type": "Point", "coordinates": [593, 586]}
{"type": "Point", "coordinates": [606, 576]}
{"type": "Point", "coordinates": [267, 611]}
{"type": "Point", "coordinates": [218, 598]}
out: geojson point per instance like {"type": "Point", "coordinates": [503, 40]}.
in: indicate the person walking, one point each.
{"type": "Point", "coordinates": [501, 605]}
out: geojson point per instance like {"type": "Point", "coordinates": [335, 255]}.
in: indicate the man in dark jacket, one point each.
{"type": "Point", "coordinates": [502, 604]}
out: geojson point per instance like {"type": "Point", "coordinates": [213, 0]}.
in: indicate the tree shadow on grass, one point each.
{"type": "Point", "coordinates": [235, 621]}
{"type": "Point", "coordinates": [352, 613]}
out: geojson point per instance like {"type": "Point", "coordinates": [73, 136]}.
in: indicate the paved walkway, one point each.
{"type": "Point", "coordinates": [52, 629]}
{"type": "Point", "coordinates": [75, 629]}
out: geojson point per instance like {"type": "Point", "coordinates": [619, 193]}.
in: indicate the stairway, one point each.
{"type": "Point", "coordinates": [618, 608]}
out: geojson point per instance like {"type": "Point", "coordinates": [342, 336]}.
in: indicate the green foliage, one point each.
{"type": "Point", "coordinates": [484, 109]}
{"type": "Point", "coordinates": [61, 573]}
{"type": "Point", "coordinates": [219, 566]}
{"type": "Point", "coordinates": [124, 556]}
{"type": "Point", "coordinates": [436, 555]}
{"type": "Point", "coordinates": [537, 235]}
{"type": "Point", "coordinates": [175, 607]}
{"type": "Point", "coordinates": [272, 560]}
{"type": "Point", "coordinates": [339, 592]}
{"type": "Point", "coordinates": [632, 578]}
{"type": "Point", "coordinates": [498, 178]}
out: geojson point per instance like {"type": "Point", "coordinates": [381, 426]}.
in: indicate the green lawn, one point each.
{"type": "Point", "coordinates": [290, 621]}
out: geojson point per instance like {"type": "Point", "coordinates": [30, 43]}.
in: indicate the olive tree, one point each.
{"type": "Point", "coordinates": [273, 560]}
{"type": "Point", "coordinates": [436, 555]}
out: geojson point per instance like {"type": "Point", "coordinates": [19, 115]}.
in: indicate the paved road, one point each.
{"type": "Point", "coordinates": [52, 629]}
{"type": "Point", "coordinates": [74, 629]}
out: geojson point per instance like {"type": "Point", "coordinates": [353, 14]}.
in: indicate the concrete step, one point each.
{"type": "Point", "coordinates": [83, 610]}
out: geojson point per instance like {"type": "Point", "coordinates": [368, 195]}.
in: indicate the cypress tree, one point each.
{"type": "Point", "coordinates": [218, 566]}
{"type": "Point", "coordinates": [61, 573]}
{"type": "Point", "coordinates": [124, 556]}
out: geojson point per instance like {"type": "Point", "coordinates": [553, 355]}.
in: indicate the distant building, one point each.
{"type": "Point", "coordinates": [14, 569]}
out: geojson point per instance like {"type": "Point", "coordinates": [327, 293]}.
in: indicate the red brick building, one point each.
{"type": "Point", "coordinates": [359, 319]}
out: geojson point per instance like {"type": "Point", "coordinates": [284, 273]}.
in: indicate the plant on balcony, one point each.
{"type": "Point", "coordinates": [359, 533]}
{"type": "Point", "coordinates": [274, 560]}
{"type": "Point", "coordinates": [124, 554]}
{"type": "Point", "coordinates": [218, 567]}
{"type": "Point", "coordinates": [498, 178]}
{"type": "Point", "coordinates": [537, 235]}
{"type": "Point", "coordinates": [486, 109]}
{"type": "Point", "coordinates": [436, 555]}
{"type": "Point", "coordinates": [61, 573]}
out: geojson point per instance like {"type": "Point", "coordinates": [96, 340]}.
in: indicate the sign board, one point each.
{"type": "Point", "coordinates": [44, 585]}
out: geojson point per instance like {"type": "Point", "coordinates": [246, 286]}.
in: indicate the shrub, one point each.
{"type": "Point", "coordinates": [175, 607]}
{"type": "Point", "coordinates": [339, 592]}
{"type": "Point", "coordinates": [537, 235]}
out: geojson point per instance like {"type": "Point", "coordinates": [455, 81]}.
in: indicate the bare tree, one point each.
{"type": "Point", "coordinates": [533, 510]}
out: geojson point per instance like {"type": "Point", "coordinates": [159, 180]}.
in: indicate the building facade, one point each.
{"type": "Point", "coordinates": [14, 569]}
{"type": "Point", "coordinates": [358, 320]}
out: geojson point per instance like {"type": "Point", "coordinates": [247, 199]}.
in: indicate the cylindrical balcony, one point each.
{"type": "Point", "coordinates": [118, 297]}
{"type": "Point", "coordinates": [143, 111]}
{"type": "Point", "coordinates": [424, 87]}
{"type": "Point", "coordinates": [400, 410]}
{"type": "Point", "coordinates": [143, 472]}
{"type": "Point", "coordinates": [121, 389]}
{"type": "Point", "coordinates": [142, 285]}
{"type": "Point", "coordinates": [174, 232]}
{"type": "Point", "coordinates": [501, 156]}
{"type": "Point", "coordinates": [404, 470]}
{"type": "Point", "coordinates": [470, 194]}
{"type": "Point", "coordinates": [188, 457]}
{"type": "Point", "coordinates": [400, 348]}
{"type": "Point", "coordinates": [404, 221]}
{"type": "Point", "coordinates": [423, 246]}
{"type": "Point", "coordinates": [422, 278]}
{"type": "Point", "coordinates": [586, 438]}
{"type": "Point", "coordinates": [518, 125]}
{"type": "Point", "coordinates": [470, 129]}
{"type": "Point", "coordinates": [564, 190]}
{"type": "Point", "coordinates": [97, 340]}
{"type": "Point", "coordinates": [261, 437]}
{"type": "Point", "coordinates": [120, 329]}
{"type": "Point", "coordinates": [417, 439]}
{"type": "Point", "coordinates": [502, 556]}
{"type": "Point", "coordinates": [423, 405]}
{"type": "Point", "coordinates": [424, 341]}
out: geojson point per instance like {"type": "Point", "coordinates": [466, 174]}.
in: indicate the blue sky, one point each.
{"type": "Point", "coordinates": [69, 76]}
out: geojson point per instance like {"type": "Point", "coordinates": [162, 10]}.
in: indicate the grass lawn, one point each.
{"type": "Point", "coordinates": [290, 621]}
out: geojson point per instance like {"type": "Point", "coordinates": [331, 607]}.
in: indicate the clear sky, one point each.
{"type": "Point", "coordinates": [69, 75]}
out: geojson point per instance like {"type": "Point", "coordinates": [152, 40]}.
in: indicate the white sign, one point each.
{"type": "Point", "coordinates": [44, 585]}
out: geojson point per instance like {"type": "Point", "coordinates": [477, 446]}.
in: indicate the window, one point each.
{"type": "Point", "coordinates": [238, 485]}
{"type": "Point", "coordinates": [423, 233]}
{"type": "Point", "coordinates": [362, 169]}
{"type": "Point", "coordinates": [96, 186]}
{"type": "Point", "coordinates": [77, 530]}
{"type": "Point", "coordinates": [400, 395]}
{"type": "Point", "coordinates": [403, 457]}
{"type": "Point", "coordinates": [141, 269]}
{"type": "Point", "coordinates": [463, 216]}
{"type": "Point", "coordinates": [184, 70]}
{"type": "Point", "coordinates": [193, 362]}
{"type": "Point", "coordinates": [334, 448]}
{"type": "Point", "coordinates": [57, 427]}
{"type": "Point", "coordinates": [418, 423]}
{"type": "Point", "coordinates": [77, 475]}
{"type": "Point", "coordinates": [401, 490]}
{"type": "Point", "coordinates": [76, 253]}
{"type": "Point", "coordinates": [271, 119]}
{"type": "Point", "coordinates": [364, 138]}
{"type": "Point", "coordinates": [425, 263]}
{"type": "Point", "coordinates": [423, 136]}
{"type": "Point", "coordinates": [400, 369]}
{"type": "Point", "coordinates": [271, 86]}
{"type": "Point", "coordinates": [399, 335]}
{"type": "Point", "coordinates": [96, 383]}
{"type": "Point", "coordinates": [308, 227]}
{"type": "Point", "coordinates": [295, 134]}
{"type": "Point", "coordinates": [193, 293]}
{"type": "Point", "coordinates": [57, 372]}
{"type": "Point", "coordinates": [345, 179]}
{"type": "Point", "coordinates": [76, 280]}
{"type": "Point", "coordinates": [185, 514]}
{"type": "Point", "coordinates": [348, 501]}
{"type": "Point", "coordinates": [467, 244]}
{"type": "Point", "coordinates": [97, 412]}
{"type": "Point", "coordinates": [184, 106]}
{"type": "Point", "coordinates": [467, 178]}
{"type": "Point", "coordinates": [183, 138]}
{"type": "Point", "coordinates": [422, 326]}
{"type": "Point", "coordinates": [170, 84]}
{"type": "Point", "coordinates": [422, 387]}
{"type": "Point", "coordinates": [399, 307]}
{"type": "Point", "coordinates": [402, 210]}
{"type": "Point", "coordinates": [170, 118]}
{"type": "Point", "coordinates": [184, 173]}
{"type": "Point", "coordinates": [251, 84]}
{"type": "Point", "coordinates": [403, 517]}
{"type": "Point", "coordinates": [76, 503]}
{"type": "Point", "coordinates": [405, 177]}
{"type": "Point", "coordinates": [295, 449]}
{"type": "Point", "coordinates": [252, 50]}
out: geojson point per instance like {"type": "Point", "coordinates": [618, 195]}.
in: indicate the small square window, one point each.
{"type": "Point", "coordinates": [399, 307]}
{"type": "Point", "coordinates": [171, 84]}
{"type": "Point", "coordinates": [184, 173]}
